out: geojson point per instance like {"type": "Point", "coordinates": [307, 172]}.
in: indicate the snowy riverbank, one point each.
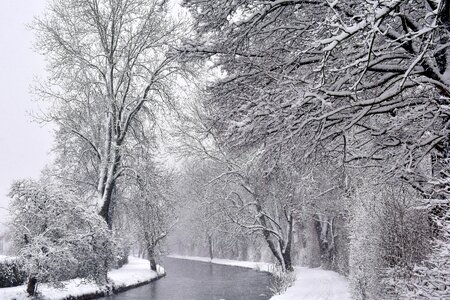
{"type": "Point", "coordinates": [310, 284]}
{"type": "Point", "coordinates": [259, 266]}
{"type": "Point", "coordinates": [137, 272]}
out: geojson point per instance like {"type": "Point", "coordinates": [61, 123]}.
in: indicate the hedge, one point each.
{"type": "Point", "coordinates": [11, 273]}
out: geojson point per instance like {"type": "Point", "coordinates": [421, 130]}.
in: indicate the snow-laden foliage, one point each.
{"type": "Point", "coordinates": [281, 281]}
{"type": "Point", "coordinates": [56, 236]}
{"type": "Point", "coordinates": [366, 83]}
{"type": "Point", "coordinates": [11, 272]}
{"type": "Point", "coordinates": [109, 71]}
{"type": "Point", "coordinates": [431, 278]}
{"type": "Point", "coordinates": [310, 73]}
{"type": "Point", "coordinates": [240, 189]}
{"type": "Point", "coordinates": [205, 228]}
{"type": "Point", "coordinates": [388, 236]}
{"type": "Point", "coordinates": [151, 209]}
{"type": "Point", "coordinates": [365, 255]}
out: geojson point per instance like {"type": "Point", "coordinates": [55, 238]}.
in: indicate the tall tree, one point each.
{"type": "Point", "coordinates": [109, 70]}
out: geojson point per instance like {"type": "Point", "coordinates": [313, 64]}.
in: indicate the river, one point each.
{"type": "Point", "coordinates": [193, 280]}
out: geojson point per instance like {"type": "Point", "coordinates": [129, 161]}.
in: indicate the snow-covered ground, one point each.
{"type": "Point", "coordinates": [6, 258]}
{"type": "Point", "coordinates": [317, 284]}
{"type": "Point", "coordinates": [310, 284]}
{"type": "Point", "coordinates": [135, 272]}
{"type": "Point", "coordinates": [260, 266]}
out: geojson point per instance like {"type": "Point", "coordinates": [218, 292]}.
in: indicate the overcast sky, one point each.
{"type": "Point", "coordinates": [24, 144]}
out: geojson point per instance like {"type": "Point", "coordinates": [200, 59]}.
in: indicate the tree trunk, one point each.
{"type": "Point", "coordinates": [267, 236]}
{"type": "Point", "coordinates": [326, 235]}
{"type": "Point", "coordinates": [104, 161]}
{"type": "Point", "coordinates": [288, 260]}
{"type": "Point", "coordinates": [210, 243]}
{"type": "Point", "coordinates": [244, 252]}
{"type": "Point", "coordinates": [287, 252]}
{"type": "Point", "coordinates": [106, 212]}
{"type": "Point", "coordinates": [151, 257]}
{"type": "Point", "coordinates": [31, 286]}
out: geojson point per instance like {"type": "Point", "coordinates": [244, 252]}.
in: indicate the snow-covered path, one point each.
{"type": "Point", "coordinates": [317, 284]}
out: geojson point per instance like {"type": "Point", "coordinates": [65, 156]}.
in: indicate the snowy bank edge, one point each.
{"type": "Point", "coordinates": [105, 291]}
{"type": "Point", "coordinates": [93, 291]}
{"type": "Point", "coordinates": [257, 266]}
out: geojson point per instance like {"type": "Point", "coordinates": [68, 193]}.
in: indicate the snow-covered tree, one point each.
{"type": "Point", "coordinates": [253, 201]}
{"type": "Point", "coordinates": [364, 81]}
{"type": "Point", "coordinates": [109, 68]}
{"type": "Point", "coordinates": [389, 234]}
{"type": "Point", "coordinates": [430, 278]}
{"type": "Point", "coordinates": [151, 209]}
{"type": "Point", "coordinates": [326, 69]}
{"type": "Point", "coordinates": [206, 202]}
{"type": "Point", "coordinates": [56, 236]}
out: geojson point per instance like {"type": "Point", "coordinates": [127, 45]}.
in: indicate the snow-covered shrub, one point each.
{"type": "Point", "coordinates": [431, 279]}
{"type": "Point", "coordinates": [281, 281]}
{"type": "Point", "coordinates": [388, 236]}
{"type": "Point", "coordinates": [365, 256]}
{"type": "Point", "coordinates": [405, 240]}
{"type": "Point", "coordinates": [11, 272]}
{"type": "Point", "coordinates": [122, 252]}
{"type": "Point", "coordinates": [56, 236]}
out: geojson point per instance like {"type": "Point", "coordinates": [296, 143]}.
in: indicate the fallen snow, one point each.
{"type": "Point", "coordinates": [4, 258]}
{"type": "Point", "coordinates": [136, 271]}
{"type": "Point", "coordinates": [260, 266]}
{"type": "Point", "coordinates": [317, 284]}
{"type": "Point", "coordinates": [310, 284]}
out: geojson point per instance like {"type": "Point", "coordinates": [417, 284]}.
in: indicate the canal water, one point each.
{"type": "Point", "coordinates": [193, 280]}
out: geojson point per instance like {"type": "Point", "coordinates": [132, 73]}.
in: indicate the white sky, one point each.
{"type": "Point", "coordinates": [24, 144]}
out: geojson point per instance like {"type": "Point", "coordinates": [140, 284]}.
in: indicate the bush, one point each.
{"type": "Point", "coordinates": [56, 236]}
{"type": "Point", "coordinates": [281, 281]}
{"type": "Point", "coordinates": [388, 236]}
{"type": "Point", "coordinates": [431, 279]}
{"type": "Point", "coordinates": [122, 255]}
{"type": "Point", "coordinates": [11, 273]}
